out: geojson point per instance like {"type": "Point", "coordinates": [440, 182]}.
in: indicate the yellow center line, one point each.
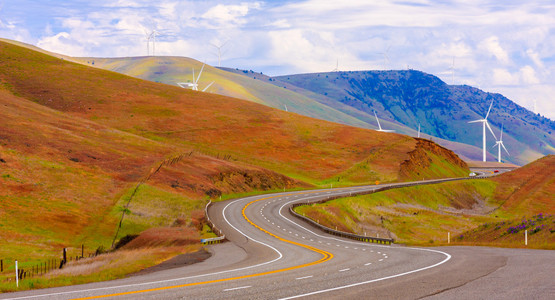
{"type": "Point", "coordinates": [326, 256]}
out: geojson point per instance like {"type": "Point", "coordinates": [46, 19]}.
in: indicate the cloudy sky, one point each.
{"type": "Point", "coordinates": [503, 46]}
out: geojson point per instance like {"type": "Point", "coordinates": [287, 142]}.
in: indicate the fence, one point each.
{"type": "Point", "coordinates": [26, 270]}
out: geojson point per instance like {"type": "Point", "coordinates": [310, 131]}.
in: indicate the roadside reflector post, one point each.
{"type": "Point", "coordinates": [526, 237]}
{"type": "Point", "coordinates": [448, 237]}
{"type": "Point", "coordinates": [16, 275]}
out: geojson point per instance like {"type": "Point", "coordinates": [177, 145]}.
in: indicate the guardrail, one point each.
{"type": "Point", "coordinates": [352, 236]}
{"type": "Point", "coordinates": [215, 240]}
{"type": "Point", "coordinates": [380, 189]}
{"type": "Point", "coordinates": [216, 230]}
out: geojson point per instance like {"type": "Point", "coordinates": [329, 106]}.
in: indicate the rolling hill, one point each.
{"type": "Point", "coordinates": [77, 141]}
{"type": "Point", "coordinates": [410, 97]}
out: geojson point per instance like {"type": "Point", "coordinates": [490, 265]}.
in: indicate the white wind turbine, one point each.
{"type": "Point", "coordinates": [500, 144]}
{"type": "Point", "coordinates": [336, 66]}
{"type": "Point", "coordinates": [484, 124]}
{"type": "Point", "coordinates": [194, 85]}
{"type": "Point", "coordinates": [219, 47]}
{"type": "Point", "coordinates": [380, 126]}
{"type": "Point", "coordinates": [386, 60]}
{"type": "Point", "coordinates": [453, 71]}
{"type": "Point", "coordinates": [153, 36]}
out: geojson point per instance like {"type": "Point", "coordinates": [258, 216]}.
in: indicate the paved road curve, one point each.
{"type": "Point", "coordinates": [272, 255]}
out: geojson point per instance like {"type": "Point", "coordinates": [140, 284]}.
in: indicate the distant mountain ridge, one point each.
{"type": "Point", "coordinates": [410, 97]}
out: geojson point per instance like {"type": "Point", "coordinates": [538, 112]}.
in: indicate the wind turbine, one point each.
{"type": "Point", "coordinates": [453, 71]}
{"type": "Point", "coordinates": [153, 35]}
{"type": "Point", "coordinates": [148, 38]}
{"type": "Point", "coordinates": [484, 124]}
{"type": "Point", "coordinates": [386, 60]}
{"type": "Point", "coordinates": [219, 51]}
{"type": "Point", "coordinates": [380, 126]}
{"type": "Point", "coordinates": [336, 66]}
{"type": "Point", "coordinates": [500, 144]}
{"type": "Point", "coordinates": [194, 85]}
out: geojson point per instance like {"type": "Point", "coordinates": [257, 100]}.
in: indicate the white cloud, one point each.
{"type": "Point", "coordinates": [492, 45]}
{"type": "Point", "coordinates": [502, 46]}
{"type": "Point", "coordinates": [504, 77]}
{"type": "Point", "coordinates": [528, 75]}
{"type": "Point", "coordinates": [61, 43]}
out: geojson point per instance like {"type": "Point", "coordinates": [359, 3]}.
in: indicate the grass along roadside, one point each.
{"type": "Point", "coordinates": [103, 267]}
{"type": "Point", "coordinates": [424, 215]}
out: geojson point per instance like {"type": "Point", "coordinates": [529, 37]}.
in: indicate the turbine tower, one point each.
{"type": "Point", "coordinates": [194, 85]}
{"type": "Point", "coordinates": [484, 124]}
{"type": "Point", "coordinates": [418, 129]}
{"type": "Point", "coordinates": [500, 144]}
{"type": "Point", "coordinates": [380, 126]}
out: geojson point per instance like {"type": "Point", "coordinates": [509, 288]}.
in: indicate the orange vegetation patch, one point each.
{"type": "Point", "coordinates": [165, 237]}
{"type": "Point", "coordinates": [277, 140]}
{"type": "Point", "coordinates": [530, 189]}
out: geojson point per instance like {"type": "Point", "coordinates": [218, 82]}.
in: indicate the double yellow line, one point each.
{"type": "Point", "coordinates": [326, 256]}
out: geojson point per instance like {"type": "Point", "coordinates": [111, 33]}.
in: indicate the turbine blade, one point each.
{"type": "Point", "coordinates": [379, 126]}
{"type": "Point", "coordinates": [476, 121]}
{"type": "Point", "coordinates": [200, 73]}
{"type": "Point", "coordinates": [505, 148]}
{"type": "Point", "coordinates": [207, 86]}
{"type": "Point", "coordinates": [490, 130]}
{"type": "Point", "coordinates": [489, 110]}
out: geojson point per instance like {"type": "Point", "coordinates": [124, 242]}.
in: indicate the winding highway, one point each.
{"type": "Point", "coordinates": [273, 255]}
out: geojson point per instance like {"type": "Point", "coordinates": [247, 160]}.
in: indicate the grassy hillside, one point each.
{"type": "Point", "coordinates": [77, 141]}
{"type": "Point", "coordinates": [170, 70]}
{"type": "Point", "coordinates": [301, 147]}
{"type": "Point", "coordinates": [486, 212]}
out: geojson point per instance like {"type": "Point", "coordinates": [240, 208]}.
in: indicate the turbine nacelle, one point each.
{"type": "Point", "coordinates": [194, 85]}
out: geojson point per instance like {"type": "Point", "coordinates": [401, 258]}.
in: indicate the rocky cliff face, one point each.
{"type": "Point", "coordinates": [430, 160]}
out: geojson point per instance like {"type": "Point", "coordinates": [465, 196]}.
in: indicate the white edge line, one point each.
{"type": "Point", "coordinates": [448, 257]}
{"type": "Point", "coordinates": [305, 277]}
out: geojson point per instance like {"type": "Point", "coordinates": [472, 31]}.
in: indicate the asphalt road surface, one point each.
{"type": "Point", "coordinates": [273, 255]}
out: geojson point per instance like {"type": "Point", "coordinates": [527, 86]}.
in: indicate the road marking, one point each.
{"type": "Point", "coordinates": [326, 257]}
{"type": "Point", "coordinates": [367, 264]}
{"type": "Point", "coordinates": [381, 259]}
{"type": "Point", "coordinates": [343, 270]}
{"type": "Point", "coordinates": [237, 288]}
{"type": "Point", "coordinates": [301, 278]}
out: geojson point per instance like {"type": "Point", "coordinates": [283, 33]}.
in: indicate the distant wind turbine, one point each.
{"type": "Point", "coordinates": [154, 34]}
{"type": "Point", "coordinates": [336, 66]}
{"type": "Point", "coordinates": [500, 144]}
{"type": "Point", "coordinates": [194, 85]}
{"type": "Point", "coordinates": [386, 60]}
{"type": "Point", "coordinates": [484, 124]}
{"type": "Point", "coordinates": [219, 48]}
{"type": "Point", "coordinates": [453, 71]}
{"type": "Point", "coordinates": [380, 126]}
